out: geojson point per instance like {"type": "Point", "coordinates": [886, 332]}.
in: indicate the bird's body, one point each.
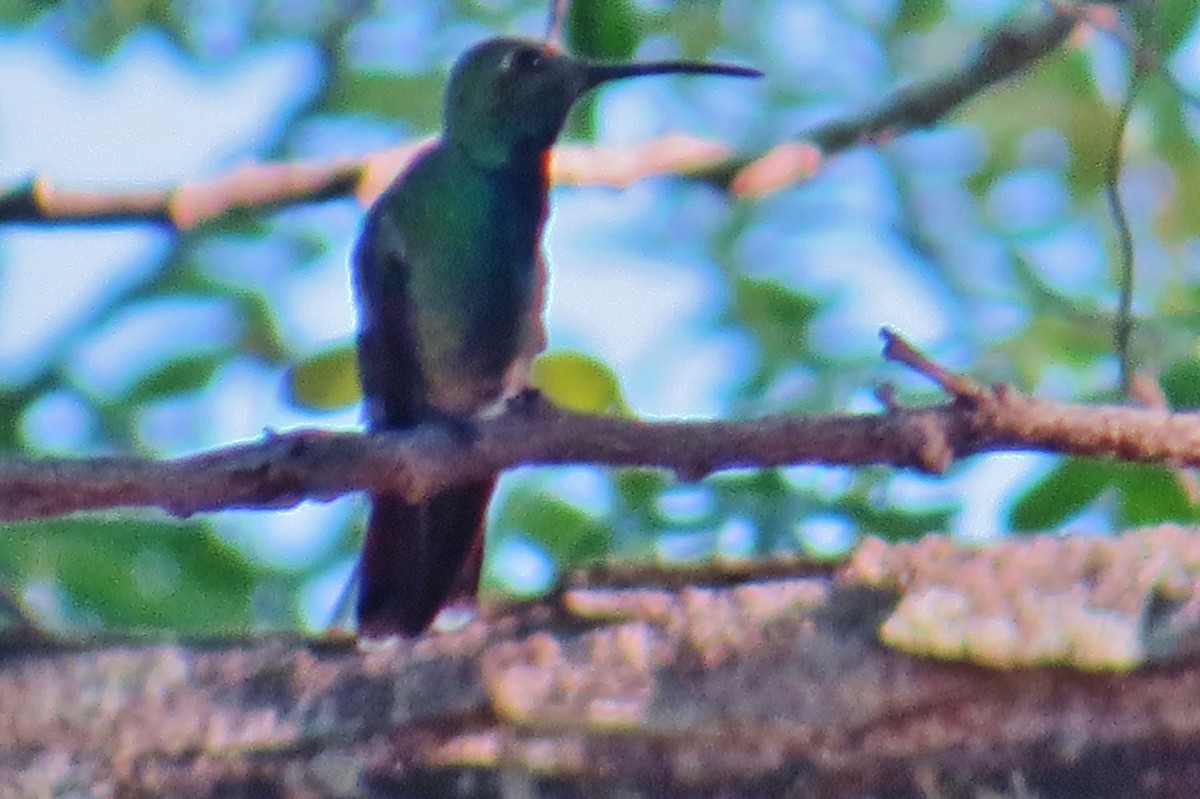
{"type": "Point", "coordinates": [449, 280]}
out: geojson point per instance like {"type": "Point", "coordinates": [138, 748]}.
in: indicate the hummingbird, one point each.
{"type": "Point", "coordinates": [450, 283]}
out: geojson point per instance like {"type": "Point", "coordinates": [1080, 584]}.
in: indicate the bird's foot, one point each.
{"type": "Point", "coordinates": [527, 402]}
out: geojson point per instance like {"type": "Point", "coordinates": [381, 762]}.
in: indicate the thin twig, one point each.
{"type": "Point", "coordinates": [1123, 324]}
{"type": "Point", "coordinates": [1147, 59]}
{"type": "Point", "coordinates": [557, 24]}
{"type": "Point", "coordinates": [1001, 55]}
{"type": "Point", "coordinates": [896, 348]}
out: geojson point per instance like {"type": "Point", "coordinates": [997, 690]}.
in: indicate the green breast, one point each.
{"type": "Point", "coordinates": [470, 238]}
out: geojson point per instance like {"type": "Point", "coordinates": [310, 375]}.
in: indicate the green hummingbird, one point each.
{"type": "Point", "coordinates": [449, 281]}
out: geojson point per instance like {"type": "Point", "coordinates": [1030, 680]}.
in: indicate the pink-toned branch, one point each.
{"type": "Point", "coordinates": [262, 187]}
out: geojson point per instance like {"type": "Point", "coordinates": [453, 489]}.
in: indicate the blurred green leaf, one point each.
{"type": "Point", "coordinates": [1173, 134]}
{"type": "Point", "coordinates": [578, 382]}
{"type": "Point", "coordinates": [261, 334]}
{"type": "Point", "coordinates": [98, 29]}
{"type": "Point", "coordinates": [1144, 494]}
{"type": "Point", "coordinates": [389, 96]}
{"type": "Point", "coordinates": [896, 523]}
{"type": "Point", "coordinates": [778, 318]}
{"type": "Point", "coordinates": [1165, 23]}
{"type": "Point", "coordinates": [779, 314]}
{"type": "Point", "coordinates": [568, 534]}
{"type": "Point", "coordinates": [1151, 494]}
{"type": "Point", "coordinates": [640, 488]}
{"type": "Point", "coordinates": [694, 26]}
{"type": "Point", "coordinates": [917, 16]}
{"type": "Point", "coordinates": [135, 574]}
{"type": "Point", "coordinates": [1181, 383]}
{"type": "Point", "coordinates": [327, 381]}
{"type": "Point", "coordinates": [180, 376]}
{"type": "Point", "coordinates": [1057, 94]}
{"type": "Point", "coordinates": [604, 31]}
{"type": "Point", "coordinates": [22, 11]}
{"type": "Point", "coordinates": [1061, 494]}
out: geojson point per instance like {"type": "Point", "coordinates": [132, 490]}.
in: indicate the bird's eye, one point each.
{"type": "Point", "coordinates": [523, 60]}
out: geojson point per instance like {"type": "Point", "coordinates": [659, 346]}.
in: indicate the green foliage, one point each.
{"type": "Point", "coordinates": [893, 522]}
{"type": "Point", "coordinates": [17, 12]}
{"type": "Point", "coordinates": [1139, 495]}
{"type": "Point", "coordinates": [919, 15]}
{"type": "Point", "coordinates": [1181, 384]}
{"type": "Point", "coordinates": [578, 382]}
{"type": "Point", "coordinates": [183, 375]}
{"type": "Point", "coordinates": [567, 533]}
{"type": "Point", "coordinates": [132, 574]}
{"type": "Point", "coordinates": [778, 317]}
{"type": "Point", "coordinates": [100, 27]}
{"type": "Point", "coordinates": [1060, 495]}
{"type": "Point", "coordinates": [388, 96]}
{"type": "Point", "coordinates": [1151, 495]}
{"type": "Point", "coordinates": [1162, 25]}
{"type": "Point", "coordinates": [327, 381]}
{"type": "Point", "coordinates": [603, 31]}
{"type": "Point", "coordinates": [1176, 142]}
{"type": "Point", "coordinates": [1061, 96]}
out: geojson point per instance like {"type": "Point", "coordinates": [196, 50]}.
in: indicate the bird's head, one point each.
{"type": "Point", "coordinates": [508, 98]}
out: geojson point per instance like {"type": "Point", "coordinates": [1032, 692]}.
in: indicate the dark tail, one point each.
{"type": "Point", "coordinates": [415, 558]}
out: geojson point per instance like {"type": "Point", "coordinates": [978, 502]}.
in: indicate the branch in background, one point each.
{"type": "Point", "coordinates": [1123, 324]}
{"type": "Point", "coordinates": [259, 187]}
{"type": "Point", "coordinates": [556, 25]}
{"type": "Point", "coordinates": [286, 469]}
{"type": "Point", "coordinates": [263, 187]}
{"type": "Point", "coordinates": [1000, 56]}
{"type": "Point", "coordinates": [252, 187]}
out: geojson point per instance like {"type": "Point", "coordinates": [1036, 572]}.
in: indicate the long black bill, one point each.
{"type": "Point", "coordinates": [595, 74]}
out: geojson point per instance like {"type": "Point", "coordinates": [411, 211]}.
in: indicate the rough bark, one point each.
{"type": "Point", "coordinates": [751, 683]}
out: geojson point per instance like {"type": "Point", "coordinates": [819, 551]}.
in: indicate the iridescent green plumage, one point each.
{"type": "Point", "coordinates": [449, 282]}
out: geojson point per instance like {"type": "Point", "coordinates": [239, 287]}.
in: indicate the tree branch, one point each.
{"type": "Point", "coordinates": [260, 187]}
{"type": "Point", "coordinates": [1001, 55]}
{"type": "Point", "coordinates": [776, 687]}
{"type": "Point", "coordinates": [285, 469]}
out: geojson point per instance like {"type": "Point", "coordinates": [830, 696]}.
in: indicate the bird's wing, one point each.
{"type": "Point", "coordinates": [388, 356]}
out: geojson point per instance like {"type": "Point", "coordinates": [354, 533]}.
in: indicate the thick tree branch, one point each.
{"type": "Point", "coordinates": [776, 687]}
{"type": "Point", "coordinates": [259, 187]}
{"type": "Point", "coordinates": [285, 469]}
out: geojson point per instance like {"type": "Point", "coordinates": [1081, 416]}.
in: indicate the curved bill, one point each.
{"type": "Point", "coordinates": [595, 74]}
